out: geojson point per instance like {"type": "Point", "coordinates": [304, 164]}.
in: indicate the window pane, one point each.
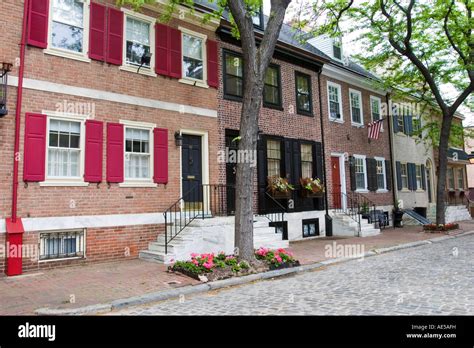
{"type": "Point", "coordinates": [67, 37]}
{"type": "Point", "coordinates": [306, 152]}
{"type": "Point", "coordinates": [271, 77]}
{"type": "Point", "coordinates": [69, 12]}
{"type": "Point", "coordinates": [233, 65]}
{"type": "Point", "coordinates": [53, 139]}
{"type": "Point", "coordinates": [271, 95]}
{"type": "Point", "coordinates": [192, 47]}
{"type": "Point", "coordinates": [193, 68]}
{"type": "Point", "coordinates": [138, 31]}
{"type": "Point", "coordinates": [302, 84]}
{"type": "Point", "coordinates": [304, 102]}
{"type": "Point", "coordinates": [233, 86]}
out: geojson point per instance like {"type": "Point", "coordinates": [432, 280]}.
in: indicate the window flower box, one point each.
{"type": "Point", "coordinates": [279, 187]}
{"type": "Point", "coordinates": [311, 188]}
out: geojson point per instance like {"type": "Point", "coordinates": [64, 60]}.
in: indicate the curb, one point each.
{"type": "Point", "coordinates": [225, 283]}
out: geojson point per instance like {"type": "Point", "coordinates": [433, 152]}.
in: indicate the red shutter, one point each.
{"type": "Point", "coordinates": [212, 66]}
{"type": "Point", "coordinates": [161, 49]}
{"type": "Point", "coordinates": [97, 32]}
{"type": "Point", "coordinates": [115, 152]}
{"type": "Point", "coordinates": [160, 160]}
{"type": "Point", "coordinates": [38, 23]}
{"type": "Point", "coordinates": [93, 162]}
{"type": "Point", "coordinates": [35, 147]}
{"type": "Point", "coordinates": [114, 36]}
{"type": "Point", "coordinates": [175, 52]}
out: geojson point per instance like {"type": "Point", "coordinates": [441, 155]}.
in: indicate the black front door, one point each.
{"type": "Point", "coordinates": [230, 170]}
{"type": "Point", "coordinates": [191, 166]}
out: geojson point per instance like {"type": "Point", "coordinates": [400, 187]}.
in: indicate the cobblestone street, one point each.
{"type": "Point", "coordinates": [435, 279]}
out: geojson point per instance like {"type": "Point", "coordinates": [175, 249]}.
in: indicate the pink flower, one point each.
{"type": "Point", "coordinates": [193, 255]}
{"type": "Point", "coordinates": [230, 258]}
{"type": "Point", "coordinates": [208, 265]}
{"type": "Point", "coordinates": [278, 258]}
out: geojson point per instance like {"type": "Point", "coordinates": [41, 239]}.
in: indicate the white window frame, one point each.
{"type": "Point", "coordinates": [189, 80]}
{"type": "Point", "coordinates": [404, 188]}
{"type": "Point", "coordinates": [379, 102]}
{"type": "Point", "coordinates": [55, 181]}
{"type": "Point", "coordinates": [55, 51]}
{"type": "Point", "coordinates": [148, 182]}
{"type": "Point", "coordinates": [149, 71]}
{"type": "Point", "coordinates": [419, 187]}
{"type": "Point", "coordinates": [339, 93]}
{"type": "Point", "coordinates": [364, 162]}
{"type": "Point", "coordinates": [359, 94]}
{"type": "Point", "coordinates": [84, 246]}
{"type": "Point", "coordinates": [334, 42]}
{"type": "Point", "coordinates": [384, 189]}
{"type": "Point", "coordinates": [460, 174]}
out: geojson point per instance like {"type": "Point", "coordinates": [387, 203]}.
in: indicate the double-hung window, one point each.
{"type": "Point", "coordinates": [451, 178]}
{"type": "Point", "coordinates": [68, 22]}
{"type": "Point", "coordinates": [356, 107]}
{"type": "Point", "coordinates": [272, 87]}
{"type": "Point", "coordinates": [380, 172]}
{"type": "Point", "coordinates": [138, 41]}
{"type": "Point", "coordinates": [273, 157]}
{"type": "Point", "coordinates": [233, 75]}
{"type": "Point", "coordinates": [137, 154]}
{"type": "Point", "coordinates": [306, 160]}
{"type": "Point", "coordinates": [419, 177]}
{"type": "Point", "coordinates": [360, 173]}
{"type": "Point", "coordinates": [303, 94]}
{"type": "Point", "coordinates": [460, 179]}
{"type": "Point", "coordinates": [64, 149]}
{"type": "Point", "coordinates": [193, 57]}
{"type": "Point", "coordinates": [404, 175]}
{"type": "Point", "coordinates": [375, 108]}
{"type": "Point", "coordinates": [335, 101]}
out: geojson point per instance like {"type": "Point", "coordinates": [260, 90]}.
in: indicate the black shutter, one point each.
{"type": "Point", "coordinates": [423, 177]}
{"type": "Point", "coordinates": [352, 172]}
{"type": "Point", "coordinates": [262, 173]}
{"type": "Point", "coordinates": [286, 171]}
{"type": "Point", "coordinates": [371, 174]}
{"type": "Point", "coordinates": [388, 175]}
{"type": "Point", "coordinates": [406, 121]}
{"type": "Point", "coordinates": [399, 175]}
{"type": "Point", "coordinates": [395, 123]}
{"type": "Point", "coordinates": [318, 162]}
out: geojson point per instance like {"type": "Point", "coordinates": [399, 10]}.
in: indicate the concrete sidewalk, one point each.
{"type": "Point", "coordinates": [86, 285]}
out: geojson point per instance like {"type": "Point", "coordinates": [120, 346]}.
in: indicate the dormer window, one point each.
{"type": "Point", "coordinates": [337, 48]}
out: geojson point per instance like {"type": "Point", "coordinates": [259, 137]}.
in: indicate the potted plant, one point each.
{"type": "Point", "coordinates": [397, 215]}
{"type": "Point", "coordinates": [311, 188]}
{"type": "Point", "coordinates": [279, 187]}
{"type": "Point", "coordinates": [364, 210]}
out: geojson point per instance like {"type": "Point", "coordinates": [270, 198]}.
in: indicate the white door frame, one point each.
{"type": "Point", "coordinates": [204, 161]}
{"type": "Point", "coordinates": [342, 176]}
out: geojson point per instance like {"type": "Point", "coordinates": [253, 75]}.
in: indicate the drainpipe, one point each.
{"type": "Point", "coordinates": [392, 159]}
{"type": "Point", "coordinates": [327, 218]}
{"type": "Point", "coordinates": [14, 225]}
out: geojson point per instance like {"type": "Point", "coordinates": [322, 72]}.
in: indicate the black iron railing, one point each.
{"type": "Point", "coordinates": [200, 202]}
{"type": "Point", "coordinates": [367, 208]}
{"type": "Point", "coordinates": [275, 210]}
{"type": "Point", "coordinates": [453, 197]}
{"type": "Point", "coordinates": [348, 205]}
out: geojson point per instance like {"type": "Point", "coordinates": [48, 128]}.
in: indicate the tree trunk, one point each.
{"type": "Point", "coordinates": [442, 168]}
{"type": "Point", "coordinates": [245, 173]}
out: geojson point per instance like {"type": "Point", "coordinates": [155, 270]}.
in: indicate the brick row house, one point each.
{"type": "Point", "coordinates": [107, 94]}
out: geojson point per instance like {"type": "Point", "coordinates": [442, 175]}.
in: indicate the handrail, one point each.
{"type": "Point", "coordinates": [275, 216]}
{"type": "Point", "coordinates": [364, 201]}
{"type": "Point", "coordinates": [351, 207]}
{"type": "Point", "coordinates": [201, 201]}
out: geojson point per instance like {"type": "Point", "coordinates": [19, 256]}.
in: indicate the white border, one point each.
{"type": "Point", "coordinates": [364, 161]}
{"type": "Point", "coordinates": [359, 93]}
{"type": "Point", "coordinates": [133, 68]}
{"type": "Point", "coordinates": [188, 80]}
{"type": "Point", "coordinates": [46, 86]}
{"type": "Point", "coordinates": [333, 84]}
{"type": "Point", "coordinates": [83, 56]}
{"type": "Point", "coordinates": [139, 182]}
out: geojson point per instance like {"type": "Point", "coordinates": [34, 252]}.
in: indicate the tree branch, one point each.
{"type": "Point", "coordinates": [272, 31]}
{"type": "Point", "coordinates": [448, 34]}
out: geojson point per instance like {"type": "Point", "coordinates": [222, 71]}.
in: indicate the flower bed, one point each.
{"type": "Point", "coordinates": [210, 267]}
{"type": "Point", "coordinates": [440, 228]}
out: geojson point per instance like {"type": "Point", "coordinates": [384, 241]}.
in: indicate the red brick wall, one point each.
{"type": "Point", "coordinates": [102, 244]}
{"type": "Point", "coordinates": [271, 121]}
{"type": "Point", "coordinates": [344, 137]}
{"type": "Point", "coordinates": [36, 201]}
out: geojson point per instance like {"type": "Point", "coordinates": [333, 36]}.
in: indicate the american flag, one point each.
{"type": "Point", "coordinates": [374, 129]}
